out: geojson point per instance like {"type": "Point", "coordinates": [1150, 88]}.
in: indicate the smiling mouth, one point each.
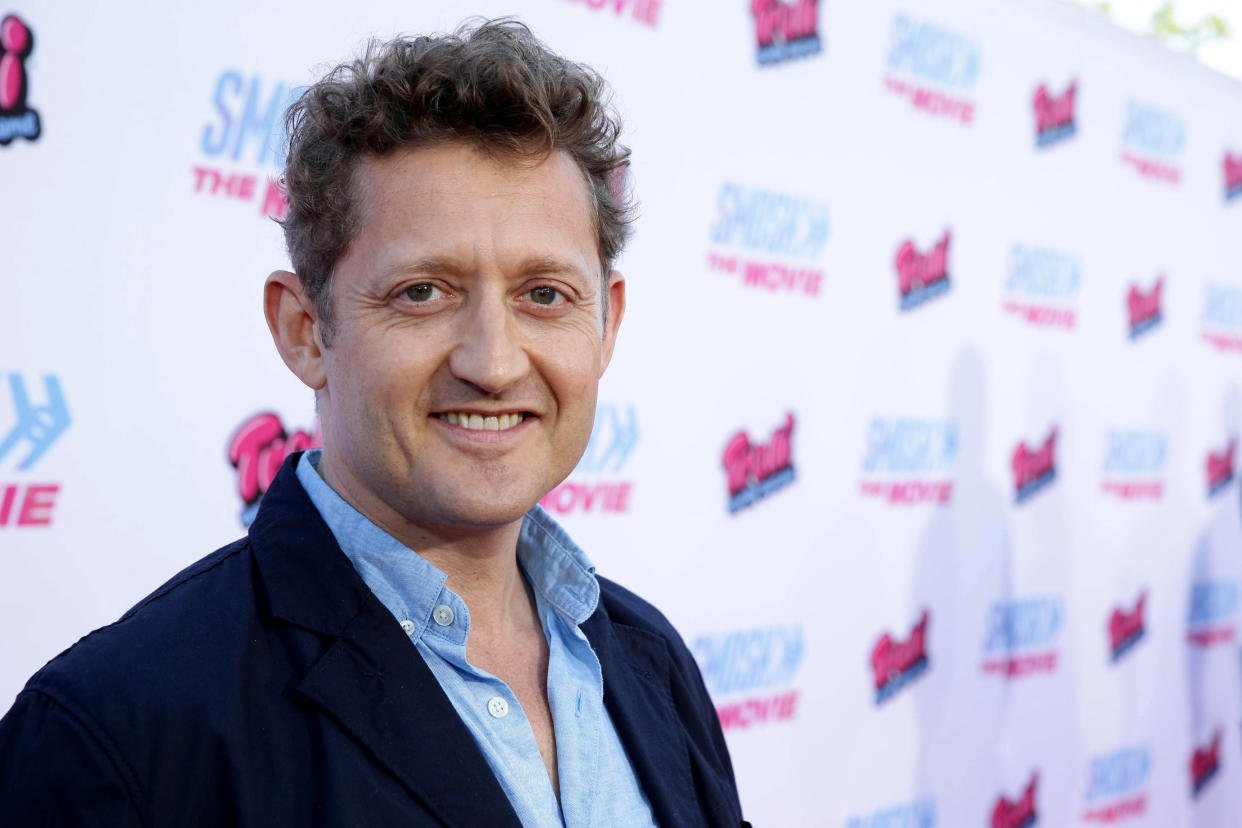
{"type": "Point", "coordinates": [479, 422]}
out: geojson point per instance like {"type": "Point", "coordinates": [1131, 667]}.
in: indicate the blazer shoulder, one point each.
{"type": "Point", "coordinates": [625, 607]}
{"type": "Point", "coordinates": [205, 566]}
{"type": "Point", "coordinates": [180, 615]}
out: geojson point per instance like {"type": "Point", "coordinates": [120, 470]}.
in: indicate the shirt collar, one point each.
{"type": "Point", "coordinates": [410, 586]}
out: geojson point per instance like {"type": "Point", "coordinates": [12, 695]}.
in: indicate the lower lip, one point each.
{"type": "Point", "coordinates": [484, 435]}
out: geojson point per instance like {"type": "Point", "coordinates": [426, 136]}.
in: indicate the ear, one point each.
{"type": "Point", "coordinates": [294, 325]}
{"type": "Point", "coordinates": [616, 309]}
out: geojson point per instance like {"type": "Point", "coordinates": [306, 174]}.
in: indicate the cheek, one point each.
{"type": "Point", "coordinates": [572, 371]}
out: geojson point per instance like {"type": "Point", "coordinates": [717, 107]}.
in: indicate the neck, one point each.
{"type": "Point", "coordinates": [480, 561]}
{"type": "Point", "coordinates": [483, 570]}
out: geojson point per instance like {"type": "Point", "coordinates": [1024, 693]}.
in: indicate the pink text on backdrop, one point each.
{"type": "Point", "coordinates": [1151, 142]}
{"type": "Point", "coordinates": [785, 29]}
{"type": "Point", "coordinates": [242, 186]}
{"type": "Point", "coordinates": [37, 426]}
{"type": "Point", "coordinates": [1134, 464]}
{"type": "Point", "coordinates": [256, 451]}
{"type": "Point", "coordinates": [27, 505]}
{"type": "Point", "coordinates": [1143, 308]}
{"type": "Point", "coordinates": [1232, 165]}
{"type": "Point", "coordinates": [755, 470]}
{"type": "Point", "coordinates": [614, 436]}
{"type": "Point", "coordinates": [1204, 763]}
{"type": "Point", "coordinates": [1054, 114]}
{"type": "Point", "coordinates": [896, 663]}
{"type": "Point", "coordinates": [1033, 468]}
{"type": "Point", "coordinates": [1019, 813]}
{"type": "Point", "coordinates": [1042, 286]}
{"type": "Point", "coordinates": [739, 715]}
{"type": "Point", "coordinates": [1116, 786]}
{"type": "Point", "coordinates": [1125, 629]}
{"type": "Point", "coordinates": [1213, 612]}
{"type": "Point", "coordinates": [1219, 467]}
{"type": "Point", "coordinates": [922, 276]}
{"type": "Point", "coordinates": [17, 119]}
{"type": "Point", "coordinates": [646, 12]}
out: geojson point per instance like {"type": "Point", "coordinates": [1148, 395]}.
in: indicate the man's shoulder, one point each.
{"type": "Point", "coordinates": [626, 607]}
{"type": "Point", "coordinates": [175, 633]}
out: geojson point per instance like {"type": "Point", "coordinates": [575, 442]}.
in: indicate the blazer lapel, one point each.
{"type": "Point", "coordinates": [638, 696]}
{"type": "Point", "coordinates": [370, 679]}
{"type": "Point", "coordinates": [385, 696]}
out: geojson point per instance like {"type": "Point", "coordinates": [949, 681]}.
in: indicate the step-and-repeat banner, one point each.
{"type": "Point", "coordinates": [923, 421]}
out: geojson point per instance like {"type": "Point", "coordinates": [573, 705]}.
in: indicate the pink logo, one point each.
{"type": "Point", "coordinates": [776, 20]}
{"type": "Point", "coordinates": [1017, 814]}
{"type": "Point", "coordinates": [785, 29]}
{"type": "Point", "coordinates": [1126, 628]}
{"type": "Point", "coordinates": [1205, 762]}
{"type": "Point", "coordinates": [1220, 468]}
{"type": "Point", "coordinates": [1233, 175]}
{"type": "Point", "coordinates": [257, 449]}
{"type": "Point", "coordinates": [920, 276]}
{"type": "Point", "coordinates": [1033, 469]}
{"type": "Point", "coordinates": [17, 120]}
{"type": "Point", "coordinates": [1054, 116]}
{"type": "Point", "coordinates": [752, 470]}
{"type": "Point", "coordinates": [896, 663]}
{"type": "Point", "coordinates": [1144, 308]}
{"type": "Point", "coordinates": [17, 44]}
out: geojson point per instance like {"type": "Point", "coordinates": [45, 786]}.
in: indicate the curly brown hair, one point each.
{"type": "Point", "coordinates": [491, 84]}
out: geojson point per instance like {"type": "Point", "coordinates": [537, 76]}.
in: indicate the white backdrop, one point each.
{"type": "Point", "coordinates": [870, 269]}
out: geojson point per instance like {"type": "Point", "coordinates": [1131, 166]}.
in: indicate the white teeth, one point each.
{"type": "Point", "coordinates": [493, 422]}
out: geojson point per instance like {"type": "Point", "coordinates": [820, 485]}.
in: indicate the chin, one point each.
{"type": "Point", "coordinates": [468, 508]}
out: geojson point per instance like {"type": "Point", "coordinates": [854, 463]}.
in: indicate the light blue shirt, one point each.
{"type": "Point", "coordinates": [597, 782]}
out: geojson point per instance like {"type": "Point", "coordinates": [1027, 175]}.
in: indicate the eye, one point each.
{"type": "Point", "coordinates": [422, 292]}
{"type": "Point", "coordinates": [545, 296]}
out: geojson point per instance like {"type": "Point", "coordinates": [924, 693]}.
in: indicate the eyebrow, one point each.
{"type": "Point", "coordinates": [451, 266]}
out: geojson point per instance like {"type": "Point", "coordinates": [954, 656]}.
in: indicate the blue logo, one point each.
{"type": "Point", "coordinates": [1026, 624]}
{"type": "Point", "coordinates": [1153, 131]}
{"type": "Point", "coordinates": [613, 439]}
{"type": "Point", "coordinates": [249, 122]}
{"type": "Point", "coordinates": [1212, 602]}
{"type": "Point", "coordinates": [1116, 774]}
{"type": "Point", "coordinates": [1222, 307]}
{"type": "Point", "coordinates": [769, 222]}
{"type": "Point", "coordinates": [928, 51]}
{"type": "Point", "coordinates": [918, 814]}
{"type": "Point", "coordinates": [910, 446]}
{"type": "Point", "coordinates": [749, 660]}
{"type": "Point", "coordinates": [38, 426]}
{"type": "Point", "coordinates": [1135, 453]}
{"type": "Point", "coordinates": [1045, 274]}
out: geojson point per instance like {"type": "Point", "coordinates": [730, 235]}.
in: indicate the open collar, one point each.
{"type": "Point", "coordinates": [369, 678]}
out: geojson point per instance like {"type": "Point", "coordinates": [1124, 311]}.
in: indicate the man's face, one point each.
{"type": "Point", "coordinates": [468, 339]}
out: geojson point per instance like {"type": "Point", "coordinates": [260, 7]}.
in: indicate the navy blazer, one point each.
{"type": "Point", "coordinates": [267, 686]}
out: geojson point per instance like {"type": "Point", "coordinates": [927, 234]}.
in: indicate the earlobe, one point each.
{"type": "Point", "coordinates": [293, 322]}
{"type": "Point", "coordinates": [616, 309]}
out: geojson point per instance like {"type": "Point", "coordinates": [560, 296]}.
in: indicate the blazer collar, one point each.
{"type": "Point", "coordinates": [369, 678]}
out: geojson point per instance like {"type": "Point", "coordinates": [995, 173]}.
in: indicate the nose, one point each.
{"type": "Point", "coordinates": [488, 354]}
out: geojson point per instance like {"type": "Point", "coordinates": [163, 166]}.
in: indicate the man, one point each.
{"type": "Point", "coordinates": [404, 637]}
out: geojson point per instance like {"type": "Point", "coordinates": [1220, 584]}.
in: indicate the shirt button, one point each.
{"type": "Point", "coordinates": [408, 626]}
{"type": "Point", "coordinates": [498, 707]}
{"type": "Point", "coordinates": [443, 615]}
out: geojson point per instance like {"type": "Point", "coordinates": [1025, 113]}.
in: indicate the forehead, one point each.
{"type": "Point", "coordinates": [455, 198]}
